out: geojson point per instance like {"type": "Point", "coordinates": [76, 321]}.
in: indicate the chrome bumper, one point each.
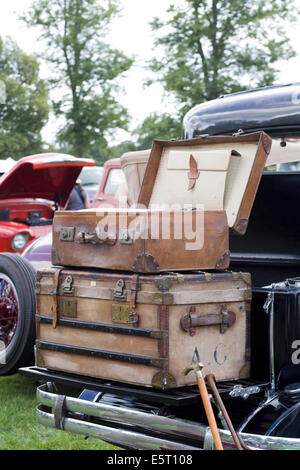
{"type": "Point", "coordinates": [141, 427]}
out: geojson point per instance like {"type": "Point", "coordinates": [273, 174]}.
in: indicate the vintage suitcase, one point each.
{"type": "Point", "coordinates": [217, 190]}
{"type": "Point", "coordinates": [141, 241]}
{"type": "Point", "coordinates": [145, 329]}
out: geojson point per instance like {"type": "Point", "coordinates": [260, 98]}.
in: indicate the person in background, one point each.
{"type": "Point", "coordinates": [79, 198]}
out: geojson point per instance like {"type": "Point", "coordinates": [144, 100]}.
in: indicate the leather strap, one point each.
{"type": "Point", "coordinates": [193, 174]}
{"type": "Point", "coordinates": [134, 288]}
{"type": "Point", "coordinates": [55, 298]}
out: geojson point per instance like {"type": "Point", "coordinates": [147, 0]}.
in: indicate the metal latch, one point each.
{"type": "Point", "coordinates": [67, 234]}
{"type": "Point", "coordinates": [126, 236]}
{"type": "Point", "coordinates": [239, 132]}
{"type": "Point", "coordinates": [119, 292]}
{"type": "Point", "coordinates": [67, 286]}
{"type": "Point", "coordinates": [98, 237]}
{"type": "Point", "coordinates": [243, 392]}
{"type": "Point", "coordinates": [123, 314]}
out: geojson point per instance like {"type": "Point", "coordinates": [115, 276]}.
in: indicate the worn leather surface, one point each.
{"type": "Point", "coordinates": [177, 241]}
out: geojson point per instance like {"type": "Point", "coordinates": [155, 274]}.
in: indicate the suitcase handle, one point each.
{"type": "Point", "coordinates": [192, 320]}
{"type": "Point", "coordinates": [102, 238]}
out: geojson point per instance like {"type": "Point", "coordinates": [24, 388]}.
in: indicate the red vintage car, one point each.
{"type": "Point", "coordinates": [30, 192]}
{"type": "Point", "coordinates": [48, 179]}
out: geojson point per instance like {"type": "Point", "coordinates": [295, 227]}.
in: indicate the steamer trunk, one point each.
{"type": "Point", "coordinates": [143, 329]}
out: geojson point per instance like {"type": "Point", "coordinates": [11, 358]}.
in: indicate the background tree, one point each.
{"type": "Point", "coordinates": [85, 69]}
{"type": "Point", "coordinates": [157, 126]}
{"type": "Point", "coordinates": [214, 47]}
{"type": "Point", "coordinates": [25, 111]}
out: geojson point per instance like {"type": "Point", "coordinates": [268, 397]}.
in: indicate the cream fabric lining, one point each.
{"type": "Point", "coordinates": [215, 190]}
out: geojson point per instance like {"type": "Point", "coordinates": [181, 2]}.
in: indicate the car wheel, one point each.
{"type": "Point", "coordinates": [17, 311]}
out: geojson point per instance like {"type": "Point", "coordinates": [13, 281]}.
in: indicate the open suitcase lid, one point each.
{"type": "Point", "coordinates": [217, 173]}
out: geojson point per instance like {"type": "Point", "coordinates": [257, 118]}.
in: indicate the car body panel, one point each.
{"type": "Point", "coordinates": [20, 209]}
{"type": "Point", "coordinates": [9, 230]}
{"type": "Point", "coordinates": [274, 109]}
{"type": "Point", "coordinates": [32, 190]}
{"type": "Point", "coordinates": [112, 177]}
{"type": "Point", "coordinates": [47, 176]}
{"type": "Point", "coordinates": [38, 253]}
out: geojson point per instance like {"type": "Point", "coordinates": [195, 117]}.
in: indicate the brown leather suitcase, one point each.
{"type": "Point", "coordinates": [141, 241]}
{"type": "Point", "coordinates": [212, 181]}
{"type": "Point", "coordinates": [143, 329]}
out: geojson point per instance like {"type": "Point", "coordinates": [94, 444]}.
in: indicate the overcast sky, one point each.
{"type": "Point", "coordinates": [132, 34]}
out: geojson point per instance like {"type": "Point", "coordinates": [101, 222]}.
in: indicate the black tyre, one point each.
{"type": "Point", "coordinates": [17, 311]}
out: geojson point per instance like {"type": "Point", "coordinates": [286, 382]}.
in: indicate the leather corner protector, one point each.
{"type": "Point", "coordinates": [145, 263]}
{"type": "Point", "coordinates": [164, 283]}
{"type": "Point", "coordinates": [267, 143]}
{"type": "Point", "coordinates": [241, 226]}
{"type": "Point", "coordinates": [247, 278]}
{"type": "Point", "coordinates": [163, 380]}
{"type": "Point", "coordinates": [223, 261]}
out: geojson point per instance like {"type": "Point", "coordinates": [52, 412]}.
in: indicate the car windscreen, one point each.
{"type": "Point", "coordinates": [92, 175]}
{"type": "Point", "coordinates": [284, 154]}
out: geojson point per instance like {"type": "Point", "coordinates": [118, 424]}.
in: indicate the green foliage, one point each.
{"type": "Point", "coordinates": [214, 47]}
{"type": "Point", "coordinates": [25, 111]}
{"type": "Point", "coordinates": [157, 126]}
{"type": "Point", "coordinates": [101, 155]}
{"type": "Point", "coordinates": [85, 68]}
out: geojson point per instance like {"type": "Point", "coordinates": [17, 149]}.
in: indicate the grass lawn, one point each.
{"type": "Point", "coordinates": [18, 427]}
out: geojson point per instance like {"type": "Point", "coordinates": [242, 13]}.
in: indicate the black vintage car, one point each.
{"type": "Point", "coordinates": [265, 409]}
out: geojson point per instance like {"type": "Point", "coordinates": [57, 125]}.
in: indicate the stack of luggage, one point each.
{"type": "Point", "coordinates": [135, 292]}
